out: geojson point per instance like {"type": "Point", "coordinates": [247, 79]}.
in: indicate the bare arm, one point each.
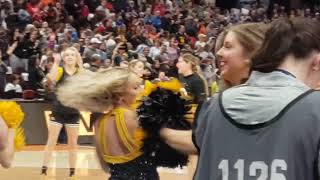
{"type": "Point", "coordinates": [7, 154]}
{"type": "Point", "coordinates": [12, 48]}
{"type": "Point", "coordinates": [3, 134]}
{"type": "Point", "coordinates": [54, 70]}
{"type": "Point", "coordinates": [180, 140]}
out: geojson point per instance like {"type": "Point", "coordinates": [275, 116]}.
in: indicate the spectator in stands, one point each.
{"type": "Point", "coordinates": [137, 66]}
{"type": "Point", "coordinates": [3, 74]}
{"type": "Point", "coordinates": [13, 88]}
{"type": "Point", "coordinates": [155, 50]}
{"type": "Point", "coordinates": [25, 48]}
{"type": "Point", "coordinates": [23, 15]}
{"type": "Point", "coordinates": [36, 74]}
{"type": "Point", "coordinates": [119, 54]}
{"type": "Point", "coordinates": [95, 62]}
{"type": "Point", "coordinates": [93, 48]}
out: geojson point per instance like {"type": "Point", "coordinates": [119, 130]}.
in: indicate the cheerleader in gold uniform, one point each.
{"type": "Point", "coordinates": [123, 154]}
{"type": "Point", "coordinates": [118, 135]}
{"type": "Point", "coordinates": [120, 140]}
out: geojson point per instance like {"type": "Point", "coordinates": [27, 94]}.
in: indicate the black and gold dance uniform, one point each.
{"type": "Point", "coordinates": [62, 114]}
{"type": "Point", "coordinates": [134, 165]}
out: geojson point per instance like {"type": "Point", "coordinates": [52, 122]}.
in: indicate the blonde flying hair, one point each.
{"type": "Point", "coordinates": [95, 91]}
{"type": "Point", "coordinates": [195, 61]}
{"type": "Point", "coordinates": [78, 56]}
{"type": "Point", "coordinates": [134, 62]}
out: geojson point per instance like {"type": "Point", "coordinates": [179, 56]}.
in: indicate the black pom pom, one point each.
{"type": "Point", "coordinates": [163, 108]}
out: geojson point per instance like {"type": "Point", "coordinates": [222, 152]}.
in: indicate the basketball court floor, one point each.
{"type": "Point", "coordinates": [27, 165]}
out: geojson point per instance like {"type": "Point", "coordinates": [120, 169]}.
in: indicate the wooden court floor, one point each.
{"type": "Point", "coordinates": [27, 164]}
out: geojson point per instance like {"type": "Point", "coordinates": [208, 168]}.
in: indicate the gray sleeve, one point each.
{"type": "Point", "coordinates": [86, 53]}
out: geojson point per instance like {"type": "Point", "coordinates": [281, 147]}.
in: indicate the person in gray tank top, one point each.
{"type": "Point", "coordinates": [269, 127]}
{"type": "Point", "coordinates": [235, 48]}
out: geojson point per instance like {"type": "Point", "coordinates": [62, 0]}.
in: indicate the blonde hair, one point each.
{"type": "Point", "coordinates": [95, 91]}
{"type": "Point", "coordinates": [134, 62]}
{"type": "Point", "coordinates": [195, 61]}
{"type": "Point", "coordinates": [71, 48]}
{"type": "Point", "coordinates": [78, 56]}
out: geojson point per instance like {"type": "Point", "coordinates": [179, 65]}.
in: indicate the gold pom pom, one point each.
{"type": "Point", "coordinates": [172, 85]}
{"type": "Point", "coordinates": [147, 90]}
{"type": "Point", "coordinates": [149, 87]}
{"type": "Point", "coordinates": [19, 140]}
{"type": "Point", "coordinates": [12, 114]}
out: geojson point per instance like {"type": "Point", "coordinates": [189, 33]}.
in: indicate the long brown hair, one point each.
{"type": "Point", "coordinates": [249, 35]}
{"type": "Point", "coordinates": [194, 61]}
{"type": "Point", "coordinates": [134, 62]}
{"type": "Point", "coordinates": [298, 37]}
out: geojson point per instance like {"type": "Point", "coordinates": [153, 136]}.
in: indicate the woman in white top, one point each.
{"type": "Point", "coordinates": [155, 50]}
{"type": "Point", "coordinates": [13, 88]}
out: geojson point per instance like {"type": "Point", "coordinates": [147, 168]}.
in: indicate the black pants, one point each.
{"type": "Point", "coordinates": [141, 168]}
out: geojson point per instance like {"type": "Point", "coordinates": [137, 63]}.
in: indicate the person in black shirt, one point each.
{"type": "Point", "coordinates": [166, 21]}
{"type": "Point", "coordinates": [36, 74]}
{"type": "Point", "coordinates": [3, 71]}
{"type": "Point", "coordinates": [181, 36]}
{"type": "Point", "coordinates": [27, 47]}
{"type": "Point", "coordinates": [63, 116]}
{"type": "Point", "coordinates": [194, 85]}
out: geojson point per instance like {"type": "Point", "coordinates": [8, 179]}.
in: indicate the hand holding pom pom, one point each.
{"type": "Point", "coordinates": [164, 107]}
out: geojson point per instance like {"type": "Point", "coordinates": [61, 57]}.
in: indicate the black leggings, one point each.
{"type": "Point", "coordinates": [141, 168]}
